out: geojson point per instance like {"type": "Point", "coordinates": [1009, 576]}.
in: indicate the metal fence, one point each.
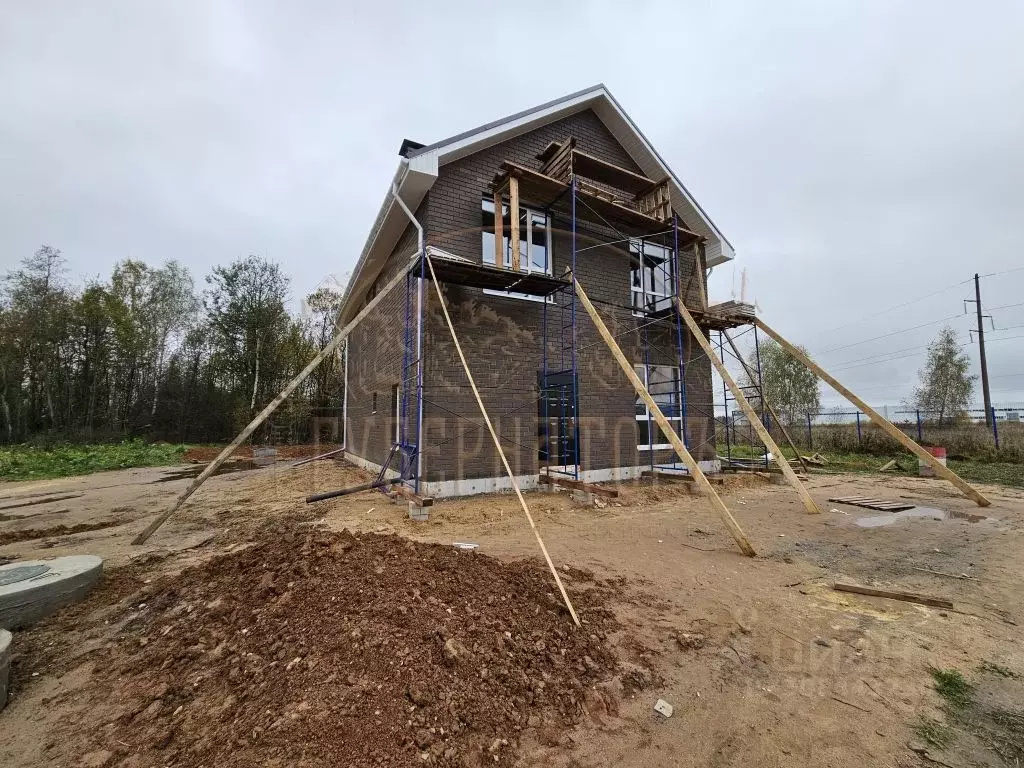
{"type": "Point", "coordinates": [852, 431]}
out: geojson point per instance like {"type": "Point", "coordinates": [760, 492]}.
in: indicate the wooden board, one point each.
{"type": "Point", "coordinates": [578, 485]}
{"type": "Point", "coordinates": [513, 228]}
{"type": "Point", "coordinates": [888, 427]}
{"type": "Point", "coordinates": [691, 464]}
{"type": "Point", "coordinates": [871, 503]}
{"type": "Point", "coordinates": [908, 597]}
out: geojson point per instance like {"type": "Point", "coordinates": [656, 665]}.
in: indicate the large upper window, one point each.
{"type": "Point", "coordinates": [652, 275]}
{"type": "Point", "coordinates": [662, 381]}
{"type": "Point", "coordinates": [534, 238]}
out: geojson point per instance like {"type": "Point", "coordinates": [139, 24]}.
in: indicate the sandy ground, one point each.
{"type": "Point", "coordinates": [789, 672]}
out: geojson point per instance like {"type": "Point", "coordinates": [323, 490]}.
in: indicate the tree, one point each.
{"type": "Point", "coordinates": [792, 390]}
{"type": "Point", "coordinates": [946, 386]}
{"type": "Point", "coordinates": [245, 307]}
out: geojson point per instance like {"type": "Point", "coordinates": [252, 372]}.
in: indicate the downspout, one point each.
{"type": "Point", "coordinates": [419, 334]}
{"type": "Point", "coordinates": [344, 400]}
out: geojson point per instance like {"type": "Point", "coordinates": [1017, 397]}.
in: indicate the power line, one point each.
{"type": "Point", "coordinates": [1006, 306]}
{"type": "Point", "coordinates": [894, 333]}
{"type": "Point", "coordinates": [1003, 272]}
{"type": "Point", "coordinates": [900, 306]}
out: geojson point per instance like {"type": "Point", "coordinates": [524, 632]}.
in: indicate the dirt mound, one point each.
{"type": "Point", "coordinates": [316, 648]}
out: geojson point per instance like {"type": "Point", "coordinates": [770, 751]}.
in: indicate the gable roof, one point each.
{"type": "Point", "coordinates": [418, 170]}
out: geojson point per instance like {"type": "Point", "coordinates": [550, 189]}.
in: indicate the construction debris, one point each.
{"type": "Point", "coordinates": [662, 707]}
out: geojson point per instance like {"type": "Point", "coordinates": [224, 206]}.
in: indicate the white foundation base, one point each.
{"type": "Point", "coordinates": [440, 489]}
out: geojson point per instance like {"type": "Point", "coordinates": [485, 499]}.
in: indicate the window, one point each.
{"type": "Point", "coordinates": [652, 276]}
{"type": "Point", "coordinates": [662, 381]}
{"type": "Point", "coordinates": [534, 242]}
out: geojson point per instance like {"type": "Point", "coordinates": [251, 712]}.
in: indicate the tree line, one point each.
{"type": "Point", "coordinates": [145, 353]}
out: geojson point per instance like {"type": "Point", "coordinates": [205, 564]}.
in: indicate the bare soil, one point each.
{"type": "Point", "coordinates": [764, 663]}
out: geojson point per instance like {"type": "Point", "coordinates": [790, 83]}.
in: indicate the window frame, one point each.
{"type": "Point", "coordinates": [638, 250]}
{"type": "Point", "coordinates": [526, 266]}
{"type": "Point", "coordinates": [643, 372]}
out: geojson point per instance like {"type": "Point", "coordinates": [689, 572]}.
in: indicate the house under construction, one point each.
{"type": "Point", "coordinates": [580, 192]}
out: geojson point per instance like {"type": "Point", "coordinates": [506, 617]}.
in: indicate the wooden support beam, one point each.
{"type": "Point", "coordinates": [698, 252]}
{"type": "Point", "coordinates": [408, 493]}
{"type": "Point", "coordinates": [513, 228]}
{"type": "Point", "coordinates": [691, 464]}
{"type": "Point", "coordinates": [765, 405]}
{"type": "Point", "coordinates": [324, 353]}
{"type": "Point", "coordinates": [578, 485]}
{"type": "Point", "coordinates": [499, 230]}
{"type": "Point", "coordinates": [908, 597]}
{"type": "Point", "coordinates": [748, 410]}
{"type": "Point", "coordinates": [894, 432]}
{"type": "Point", "coordinates": [497, 446]}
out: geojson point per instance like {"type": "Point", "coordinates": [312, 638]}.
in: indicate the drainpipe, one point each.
{"type": "Point", "coordinates": [419, 334]}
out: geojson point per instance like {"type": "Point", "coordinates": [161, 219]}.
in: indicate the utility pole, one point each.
{"type": "Point", "coordinates": [981, 351]}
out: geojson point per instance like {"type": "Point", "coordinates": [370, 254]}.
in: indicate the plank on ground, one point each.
{"type": "Point", "coordinates": [907, 597]}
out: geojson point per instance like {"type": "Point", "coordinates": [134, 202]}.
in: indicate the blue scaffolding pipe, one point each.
{"type": "Point", "coordinates": [680, 349]}
{"type": "Point", "coordinates": [647, 383]}
{"type": "Point", "coordinates": [725, 396]}
{"type": "Point", "coordinates": [575, 393]}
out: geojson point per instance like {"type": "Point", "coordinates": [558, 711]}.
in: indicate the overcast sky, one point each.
{"type": "Point", "coordinates": [858, 155]}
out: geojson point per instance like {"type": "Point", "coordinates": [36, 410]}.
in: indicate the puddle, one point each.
{"type": "Point", "coordinates": [930, 513]}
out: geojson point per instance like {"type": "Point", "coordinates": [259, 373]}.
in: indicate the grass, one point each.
{"type": "Point", "coordinates": [997, 669]}
{"type": "Point", "coordinates": [952, 686]}
{"type": "Point", "coordinates": [934, 733]}
{"type": "Point", "coordinates": [25, 462]}
{"type": "Point", "coordinates": [977, 471]}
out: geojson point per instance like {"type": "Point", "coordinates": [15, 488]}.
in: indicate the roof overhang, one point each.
{"type": "Point", "coordinates": [417, 173]}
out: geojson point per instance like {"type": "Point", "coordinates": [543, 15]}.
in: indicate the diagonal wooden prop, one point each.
{"type": "Point", "coordinates": [214, 465]}
{"type": "Point", "coordinates": [891, 429]}
{"type": "Point", "coordinates": [677, 444]}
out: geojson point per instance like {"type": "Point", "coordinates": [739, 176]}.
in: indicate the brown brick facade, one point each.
{"type": "Point", "coordinates": [502, 336]}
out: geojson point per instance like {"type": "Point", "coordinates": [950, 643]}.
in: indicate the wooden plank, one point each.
{"type": "Point", "coordinates": [887, 466]}
{"type": "Point", "coordinates": [47, 500]}
{"type": "Point", "coordinates": [765, 405]}
{"type": "Point", "coordinates": [513, 229]}
{"type": "Point", "coordinates": [578, 485]}
{"type": "Point", "coordinates": [596, 169]}
{"type": "Point", "coordinates": [698, 252]}
{"type": "Point", "coordinates": [499, 231]}
{"type": "Point", "coordinates": [787, 471]}
{"type": "Point", "coordinates": [408, 493]}
{"type": "Point", "coordinates": [497, 445]}
{"type": "Point", "coordinates": [909, 597]}
{"type": "Point", "coordinates": [324, 353]}
{"type": "Point", "coordinates": [890, 429]}
{"type": "Point", "coordinates": [691, 464]}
